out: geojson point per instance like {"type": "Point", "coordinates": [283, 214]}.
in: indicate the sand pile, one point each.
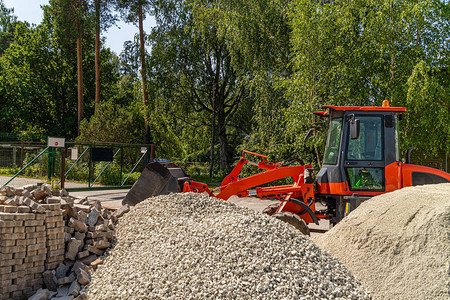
{"type": "Point", "coordinates": [398, 244]}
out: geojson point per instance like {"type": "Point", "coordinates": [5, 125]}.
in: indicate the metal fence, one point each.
{"type": "Point", "coordinates": [95, 165]}
{"type": "Point", "coordinates": [12, 154]}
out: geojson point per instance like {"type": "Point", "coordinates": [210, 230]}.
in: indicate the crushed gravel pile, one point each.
{"type": "Point", "coordinates": [398, 244]}
{"type": "Point", "coordinates": [190, 246]}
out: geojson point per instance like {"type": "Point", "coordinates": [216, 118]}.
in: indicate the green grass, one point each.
{"type": "Point", "coordinates": [9, 171]}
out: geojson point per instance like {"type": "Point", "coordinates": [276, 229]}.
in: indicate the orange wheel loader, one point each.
{"type": "Point", "coordinates": [361, 160]}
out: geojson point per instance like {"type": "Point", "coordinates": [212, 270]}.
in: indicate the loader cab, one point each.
{"type": "Point", "coordinates": [362, 158]}
{"type": "Point", "coordinates": [361, 143]}
{"type": "Point", "coordinates": [361, 155]}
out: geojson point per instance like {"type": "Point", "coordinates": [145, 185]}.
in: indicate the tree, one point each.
{"type": "Point", "coordinates": [361, 52]}
{"type": "Point", "coordinates": [112, 123]}
{"type": "Point", "coordinates": [69, 17]}
{"type": "Point", "coordinates": [192, 70]}
{"type": "Point", "coordinates": [258, 41]}
{"type": "Point", "coordinates": [428, 116]}
{"type": "Point", "coordinates": [7, 20]}
{"type": "Point", "coordinates": [135, 10]}
{"type": "Point", "coordinates": [38, 80]}
{"type": "Point", "coordinates": [36, 84]}
{"type": "Point", "coordinates": [104, 18]}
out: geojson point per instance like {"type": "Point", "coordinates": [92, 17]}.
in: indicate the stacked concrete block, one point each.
{"type": "Point", "coordinates": [23, 253]}
{"type": "Point", "coordinates": [31, 239]}
{"type": "Point", "coordinates": [54, 225]}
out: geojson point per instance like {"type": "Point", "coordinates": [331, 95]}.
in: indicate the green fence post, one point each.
{"type": "Point", "coordinates": [121, 163]}
{"type": "Point", "coordinates": [53, 162]}
{"type": "Point", "coordinates": [63, 167]}
{"type": "Point", "coordinates": [49, 167]}
{"type": "Point", "coordinates": [90, 162]}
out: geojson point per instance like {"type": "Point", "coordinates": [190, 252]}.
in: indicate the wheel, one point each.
{"type": "Point", "coordinates": [294, 220]}
{"type": "Point", "coordinates": [271, 209]}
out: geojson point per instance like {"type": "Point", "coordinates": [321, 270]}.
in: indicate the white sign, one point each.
{"type": "Point", "coordinates": [56, 142]}
{"type": "Point", "coordinates": [73, 153]}
{"type": "Point", "coordinates": [143, 149]}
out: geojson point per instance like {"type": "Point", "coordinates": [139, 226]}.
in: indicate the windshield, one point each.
{"type": "Point", "coordinates": [333, 141]}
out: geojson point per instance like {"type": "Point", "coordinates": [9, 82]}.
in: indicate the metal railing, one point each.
{"type": "Point", "coordinates": [130, 158]}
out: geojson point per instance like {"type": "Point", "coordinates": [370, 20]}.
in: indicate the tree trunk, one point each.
{"type": "Point", "coordinates": [143, 73]}
{"type": "Point", "coordinates": [392, 49]}
{"type": "Point", "coordinates": [222, 133]}
{"type": "Point", "coordinates": [80, 83]}
{"type": "Point", "coordinates": [79, 72]}
{"type": "Point", "coordinates": [97, 53]}
{"type": "Point", "coordinates": [213, 133]}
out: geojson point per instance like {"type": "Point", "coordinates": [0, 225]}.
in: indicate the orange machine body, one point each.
{"type": "Point", "coordinates": [361, 160]}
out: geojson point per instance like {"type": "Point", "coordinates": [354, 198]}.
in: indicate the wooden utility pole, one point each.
{"type": "Point", "coordinates": [97, 53]}
{"type": "Point", "coordinates": [143, 73]}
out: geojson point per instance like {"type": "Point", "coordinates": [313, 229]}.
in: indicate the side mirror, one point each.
{"type": "Point", "coordinates": [354, 128]}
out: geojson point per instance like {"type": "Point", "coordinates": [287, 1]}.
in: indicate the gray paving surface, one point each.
{"type": "Point", "coordinates": [110, 198]}
{"type": "Point", "coordinates": [21, 181]}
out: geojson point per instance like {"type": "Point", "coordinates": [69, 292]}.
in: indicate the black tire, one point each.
{"type": "Point", "coordinates": [294, 220]}
{"type": "Point", "coordinates": [271, 209]}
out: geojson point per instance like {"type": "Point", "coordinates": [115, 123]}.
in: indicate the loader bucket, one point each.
{"type": "Point", "coordinates": [155, 180]}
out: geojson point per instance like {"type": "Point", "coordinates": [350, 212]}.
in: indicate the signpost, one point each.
{"type": "Point", "coordinates": [56, 142]}
{"type": "Point", "coordinates": [52, 143]}
{"type": "Point", "coordinates": [73, 153]}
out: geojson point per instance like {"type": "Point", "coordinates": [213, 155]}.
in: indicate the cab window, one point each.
{"type": "Point", "coordinates": [369, 145]}
{"type": "Point", "coordinates": [333, 139]}
{"type": "Point", "coordinates": [366, 179]}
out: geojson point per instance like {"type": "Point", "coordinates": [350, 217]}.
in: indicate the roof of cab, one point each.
{"type": "Point", "coordinates": [358, 108]}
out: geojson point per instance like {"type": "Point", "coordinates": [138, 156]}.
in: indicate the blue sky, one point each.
{"type": "Point", "coordinates": [30, 11]}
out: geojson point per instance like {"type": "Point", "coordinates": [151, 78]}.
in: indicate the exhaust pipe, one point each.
{"type": "Point", "coordinates": [408, 154]}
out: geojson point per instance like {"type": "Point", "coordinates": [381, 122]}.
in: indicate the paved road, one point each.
{"type": "Point", "coordinates": [21, 181]}
{"type": "Point", "coordinates": [110, 198]}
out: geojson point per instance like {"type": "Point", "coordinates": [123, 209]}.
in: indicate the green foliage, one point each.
{"type": "Point", "coordinates": [129, 9]}
{"type": "Point", "coordinates": [111, 175]}
{"type": "Point", "coordinates": [251, 71]}
{"type": "Point", "coordinates": [7, 22]}
{"type": "Point", "coordinates": [257, 38]}
{"type": "Point", "coordinates": [360, 53]}
{"type": "Point", "coordinates": [113, 123]}
{"type": "Point", "coordinates": [9, 171]}
{"type": "Point", "coordinates": [428, 116]}
{"type": "Point", "coordinates": [38, 82]}
{"type": "Point", "coordinates": [34, 91]}
{"type": "Point", "coordinates": [195, 90]}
